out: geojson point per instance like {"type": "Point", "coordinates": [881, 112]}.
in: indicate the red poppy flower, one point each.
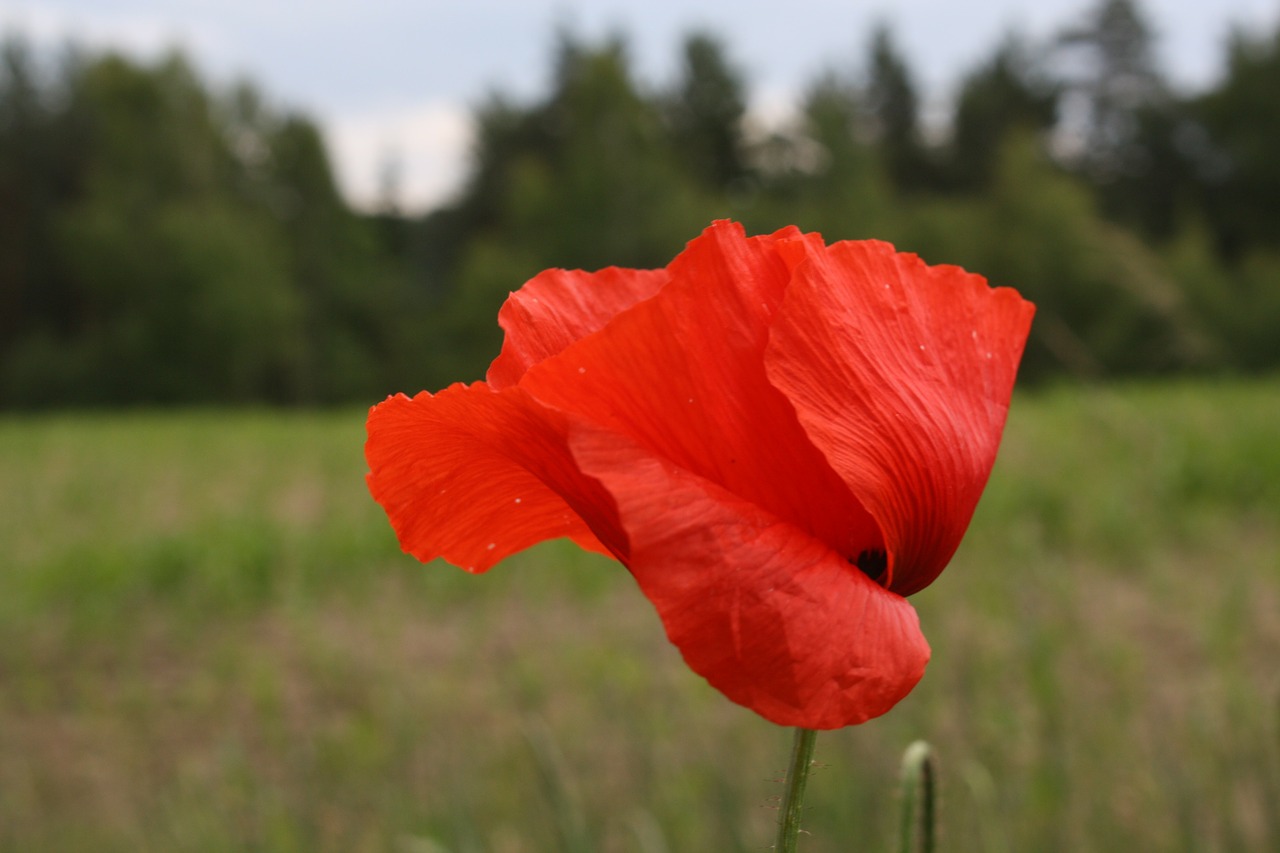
{"type": "Point", "coordinates": [778, 438]}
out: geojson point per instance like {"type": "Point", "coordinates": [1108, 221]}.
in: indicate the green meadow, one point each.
{"type": "Point", "coordinates": [210, 641]}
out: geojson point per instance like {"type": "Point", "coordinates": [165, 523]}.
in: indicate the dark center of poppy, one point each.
{"type": "Point", "coordinates": [872, 563]}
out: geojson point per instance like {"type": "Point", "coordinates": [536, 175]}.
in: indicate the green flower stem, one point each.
{"type": "Point", "coordinates": [919, 799]}
{"type": "Point", "coordinates": [793, 796]}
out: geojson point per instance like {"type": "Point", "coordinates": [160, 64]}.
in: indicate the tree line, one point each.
{"type": "Point", "coordinates": [162, 242]}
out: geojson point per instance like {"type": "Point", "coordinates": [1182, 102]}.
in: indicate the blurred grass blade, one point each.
{"type": "Point", "coordinates": [919, 799]}
{"type": "Point", "coordinates": [568, 816]}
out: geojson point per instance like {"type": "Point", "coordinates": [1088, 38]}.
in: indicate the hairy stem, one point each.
{"type": "Point", "coordinates": [793, 795]}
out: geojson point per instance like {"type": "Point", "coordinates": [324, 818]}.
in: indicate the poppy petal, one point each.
{"type": "Point", "coordinates": [770, 616]}
{"type": "Point", "coordinates": [474, 475]}
{"type": "Point", "coordinates": [901, 374]}
{"type": "Point", "coordinates": [682, 374]}
{"type": "Point", "coordinates": [557, 307]}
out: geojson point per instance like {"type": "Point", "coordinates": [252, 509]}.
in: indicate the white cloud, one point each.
{"type": "Point", "coordinates": [424, 144]}
{"type": "Point", "coordinates": [135, 34]}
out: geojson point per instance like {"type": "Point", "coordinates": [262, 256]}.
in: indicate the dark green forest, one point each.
{"type": "Point", "coordinates": [163, 241]}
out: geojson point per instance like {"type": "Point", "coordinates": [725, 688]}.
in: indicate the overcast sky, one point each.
{"type": "Point", "coordinates": [395, 78]}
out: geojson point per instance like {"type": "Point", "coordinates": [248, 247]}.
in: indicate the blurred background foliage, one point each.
{"type": "Point", "coordinates": [210, 640]}
{"type": "Point", "coordinates": [163, 242]}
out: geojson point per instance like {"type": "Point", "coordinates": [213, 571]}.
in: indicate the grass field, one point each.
{"type": "Point", "coordinates": [209, 641]}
